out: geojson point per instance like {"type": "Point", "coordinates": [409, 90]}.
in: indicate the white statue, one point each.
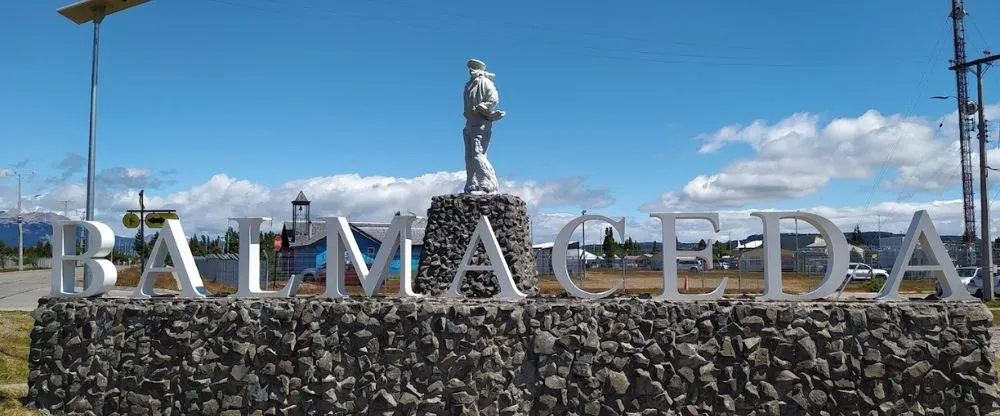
{"type": "Point", "coordinates": [481, 99]}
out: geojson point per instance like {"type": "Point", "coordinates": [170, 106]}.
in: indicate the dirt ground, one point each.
{"type": "Point", "coordinates": [651, 282]}
{"type": "Point", "coordinates": [638, 282]}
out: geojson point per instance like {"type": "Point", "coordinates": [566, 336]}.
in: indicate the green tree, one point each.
{"type": "Point", "coordinates": [720, 249]}
{"type": "Point", "coordinates": [654, 249]}
{"type": "Point", "coordinates": [6, 253]}
{"type": "Point", "coordinates": [702, 244]}
{"type": "Point", "coordinates": [267, 251]}
{"type": "Point", "coordinates": [630, 248]}
{"type": "Point", "coordinates": [197, 249]}
{"type": "Point", "coordinates": [152, 242]}
{"type": "Point", "coordinates": [142, 248]}
{"type": "Point", "coordinates": [232, 243]}
{"type": "Point", "coordinates": [215, 246]}
{"type": "Point", "coordinates": [609, 244]}
{"type": "Point", "coordinates": [856, 238]}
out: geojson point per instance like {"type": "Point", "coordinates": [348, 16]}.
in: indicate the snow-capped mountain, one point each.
{"type": "Point", "coordinates": [37, 227]}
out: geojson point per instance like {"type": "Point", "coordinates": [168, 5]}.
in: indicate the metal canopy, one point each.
{"type": "Point", "coordinates": [84, 11]}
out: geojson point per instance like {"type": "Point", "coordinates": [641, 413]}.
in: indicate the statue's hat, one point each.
{"type": "Point", "coordinates": [476, 64]}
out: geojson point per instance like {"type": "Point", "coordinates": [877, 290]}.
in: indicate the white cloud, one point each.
{"type": "Point", "coordinates": [796, 157]}
{"type": "Point", "coordinates": [72, 164]}
{"type": "Point", "coordinates": [886, 216]}
{"type": "Point", "coordinates": [128, 178]}
{"type": "Point", "coordinates": [206, 208]}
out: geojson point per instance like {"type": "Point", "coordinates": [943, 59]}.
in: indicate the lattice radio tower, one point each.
{"type": "Point", "coordinates": [965, 122]}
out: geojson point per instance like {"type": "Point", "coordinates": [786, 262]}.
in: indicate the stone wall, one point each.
{"type": "Point", "coordinates": [540, 356]}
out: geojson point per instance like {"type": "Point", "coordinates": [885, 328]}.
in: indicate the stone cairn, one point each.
{"type": "Point", "coordinates": [451, 220]}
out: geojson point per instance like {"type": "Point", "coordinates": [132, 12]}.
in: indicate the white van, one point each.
{"type": "Point", "coordinates": [689, 265]}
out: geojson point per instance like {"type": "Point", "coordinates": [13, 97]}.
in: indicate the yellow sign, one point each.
{"type": "Point", "coordinates": [156, 220]}
{"type": "Point", "coordinates": [130, 220]}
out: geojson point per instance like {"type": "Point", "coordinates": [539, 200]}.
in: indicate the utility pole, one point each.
{"type": "Point", "coordinates": [964, 120]}
{"type": "Point", "coordinates": [583, 227]}
{"type": "Point", "coordinates": [142, 231]}
{"type": "Point", "coordinates": [986, 253]}
{"type": "Point", "coordinates": [65, 208]}
{"type": "Point", "coordinates": [20, 227]}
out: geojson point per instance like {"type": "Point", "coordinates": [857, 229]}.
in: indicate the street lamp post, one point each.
{"type": "Point", "coordinates": [82, 12]}
{"type": "Point", "coordinates": [20, 221]}
{"type": "Point", "coordinates": [20, 227]}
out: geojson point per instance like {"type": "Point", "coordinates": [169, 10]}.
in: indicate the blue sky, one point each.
{"type": "Point", "coordinates": [276, 95]}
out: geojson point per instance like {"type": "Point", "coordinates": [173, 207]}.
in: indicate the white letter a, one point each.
{"type": "Point", "coordinates": [498, 265]}
{"type": "Point", "coordinates": [184, 270]}
{"type": "Point", "coordinates": [922, 230]}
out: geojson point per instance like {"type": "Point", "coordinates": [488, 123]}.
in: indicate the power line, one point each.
{"type": "Point", "coordinates": [975, 26]}
{"type": "Point", "coordinates": [631, 39]}
{"type": "Point", "coordinates": [883, 167]}
{"type": "Point", "coordinates": [680, 58]}
{"type": "Point", "coordinates": [65, 207]}
{"type": "Point", "coordinates": [572, 32]}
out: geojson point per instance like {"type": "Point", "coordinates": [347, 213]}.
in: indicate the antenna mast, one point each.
{"type": "Point", "coordinates": [965, 123]}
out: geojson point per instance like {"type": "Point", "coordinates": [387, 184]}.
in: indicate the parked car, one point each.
{"type": "Point", "coordinates": [689, 265]}
{"type": "Point", "coordinates": [311, 274]}
{"type": "Point", "coordinates": [861, 271]}
{"type": "Point", "coordinates": [972, 278]}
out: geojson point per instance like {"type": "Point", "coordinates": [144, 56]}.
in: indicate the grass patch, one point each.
{"type": "Point", "coordinates": [996, 367]}
{"type": "Point", "coordinates": [15, 337]}
{"type": "Point", "coordinates": [651, 282]}
{"type": "Point", "coordinates": [15, 331]}
{"type": "Point", "coordinates": [130, 278]}
{"type": "Point", "coordinates": [12, 398]}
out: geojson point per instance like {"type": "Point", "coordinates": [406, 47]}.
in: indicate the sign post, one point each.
{"type": "Point", "coordinates": [142, 218]}
{"type": "Point", "coordinates": [277, 248]}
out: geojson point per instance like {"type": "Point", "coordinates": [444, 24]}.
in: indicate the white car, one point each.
{"type": "Point", "coordinates": [861, 271]}
{"type": "Point", "coordinates": [973, 281]}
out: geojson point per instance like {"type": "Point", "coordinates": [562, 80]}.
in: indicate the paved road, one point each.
{"type": "Point", "coordinates": [20, 291]}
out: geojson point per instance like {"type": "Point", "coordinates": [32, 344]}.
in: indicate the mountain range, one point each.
{"type": "Point", "coordinates": [37, 228]}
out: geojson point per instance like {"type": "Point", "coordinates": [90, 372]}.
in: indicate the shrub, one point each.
{"type": "Point", "coordinates": [875, 284]}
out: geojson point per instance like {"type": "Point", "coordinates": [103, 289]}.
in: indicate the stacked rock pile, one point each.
{"type": "Point", "coordinates": [451, 220]}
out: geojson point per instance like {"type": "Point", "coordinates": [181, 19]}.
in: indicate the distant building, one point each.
{"type": "Point", "coordinates": [305, 241]}
{"type": "Point", "coordinates": [576, 258]}
{"type": "Point", "coordinates": [642, 261]}
{"type": "Point", "coordinates": [890, 247]}
{"type": "Point", "coordinates": [752, 260]}
{"type": "Point", "coordinates": [749, 245]}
